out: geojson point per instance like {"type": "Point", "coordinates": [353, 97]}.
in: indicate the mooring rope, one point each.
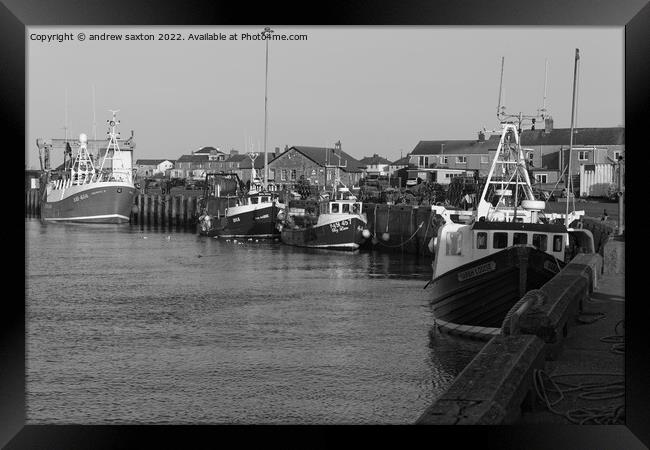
{"type": "Point", "coordinates": [412, 236]}
{"type": "Point", "coordinates": [617, 340]}
{"type": "Point", "coordinates": [598, 391]}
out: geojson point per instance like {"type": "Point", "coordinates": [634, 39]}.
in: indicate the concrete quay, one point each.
{"type": "Point", "coordinates": [558, 360]}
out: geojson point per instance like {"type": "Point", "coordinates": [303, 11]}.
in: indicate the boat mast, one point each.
{"type": "Point", "coordinates": [94, 118]}
{"type": "Point", "coordinates": [267, 34]}
{"type": "Point", "coordinates": [569, 184]}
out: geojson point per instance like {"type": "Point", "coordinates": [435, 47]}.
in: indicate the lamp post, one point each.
{"type": "Point", "coordinates": [267, 34]}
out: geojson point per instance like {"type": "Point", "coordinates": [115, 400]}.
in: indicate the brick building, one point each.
{"type": "Point", "coordinates": [316, 164]}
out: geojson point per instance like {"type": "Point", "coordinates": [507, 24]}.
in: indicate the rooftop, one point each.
{"type": "Point", "coordinates": [151, 162]}
{"type": "Point", "coordinates": [456, 147]}
{"type": "Point", "coordinates": [373, 160]}
{"type": "Point", "coordinates": [581, 136]}
{"type": "Point", "coordinates": [328, 156]}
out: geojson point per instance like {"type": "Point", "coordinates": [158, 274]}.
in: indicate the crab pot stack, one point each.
{"type": "Point", "coordinates": [165, 210]}
{"type": "Point", "coordinates": [396, 228]}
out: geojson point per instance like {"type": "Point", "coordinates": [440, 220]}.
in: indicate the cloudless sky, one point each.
{"type": "Point", "coordinates": [376, 89]}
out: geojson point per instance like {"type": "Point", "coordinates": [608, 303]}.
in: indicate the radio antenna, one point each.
{"type": "Point", "coordinates": [500, 89]}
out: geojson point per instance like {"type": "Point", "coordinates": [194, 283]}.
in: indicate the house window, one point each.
{"type": "Point", "coordinates": [583, 156]}
{"type": "Point", "coordinates": [617, 155]}
{"type": "Point", "coordinates": [541, 178]}
{"type": "Point", "coordinates": [271, 174]}
{"type": "Point", "coordinates": [484, 159]}
{"type": "Point", "coordinates": [461, 159]}
{"type": "Point", "coordinates": [481, 240]}
{"type": "Point", "coordinates": [540, 241]}
{"type": "Point", "coordinates": [423, 161]}
{"type": "Point", "coordinates": [444, 160]}
{"type": "Point", "coordinates": [293, 175]}
{"type": "Point", "coordinates": [530, 156]}
{"type": "Point", "coordinates": [454, 243]}
{"type": "Point", "coordinates": [520, 238]}
{"type": "Point", "coordinates": [499, 240]}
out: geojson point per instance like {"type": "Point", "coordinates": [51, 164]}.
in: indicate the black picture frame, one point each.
{"type": "Point", "coordinates": [634, 15]}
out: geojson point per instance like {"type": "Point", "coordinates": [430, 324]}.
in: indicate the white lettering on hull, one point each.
{"type": "Point", "coordinates": [476, 271]}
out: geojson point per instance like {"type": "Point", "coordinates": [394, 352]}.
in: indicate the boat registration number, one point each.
{"type": "Point", "coordinates": [80, 197]}
{"type": "Point", "coordinates": [476, 271]}
{"type": "Point", "coordinates": [340, 226]}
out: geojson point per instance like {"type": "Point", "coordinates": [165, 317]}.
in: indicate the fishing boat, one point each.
{"type": "Point", "coordinates": [82, 192]}
{"type": "Point", "coordinates": [485, 260]}
{"type": "Point", "coordinates": [335, 221]}
{"type": "Point", "coordinates": [229, 210]}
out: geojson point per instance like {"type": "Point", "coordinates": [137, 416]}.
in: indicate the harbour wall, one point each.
{"type": "Point", "coordinates": [399, 228]}
{"type": "Point", "coordinates": [498, 382]}
{"type": "Point", "coordinates": [165, 210]}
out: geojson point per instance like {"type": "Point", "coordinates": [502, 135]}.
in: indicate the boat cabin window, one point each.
{"type": "Point", "coordinates": [499, 240]}
{"type": "Point", "coordinates": [540, 241]}
{"type": "Point", "coordinates": [557, 243]}
{"type": "Point", "coordinates": [520, 238]}
{"type": "Point", "coordinates": [335, 207]}
{"type": "Point", "coordinates": [265, 199]}
{"type": "Point", "coordinates": [454, 243]}
{"type": "Point", "coordinates": [355, 208]}
{"type": "Point", "coordinates": [481, 240]}
{"type": "Point", "coordinates": [346, 207]}
{"type": "Point", "coordinates": [254, 200]}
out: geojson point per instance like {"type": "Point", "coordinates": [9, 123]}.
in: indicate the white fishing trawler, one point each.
{"type": "Point", "coordinates": [487, 259]}
{"type": "Point", "coordinates": [85, 192]}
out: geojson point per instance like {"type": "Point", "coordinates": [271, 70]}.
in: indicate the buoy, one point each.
{"type": "Point", "coordinates": [375, 241]}
{"type": "Point", "coordinates": [135, 209]}
{"type": "Point", "coordinates": [385, 236]}
{"type": "Point", "coordinates": [365, 234]}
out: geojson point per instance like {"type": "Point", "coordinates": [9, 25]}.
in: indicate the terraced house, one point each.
{"type": "Point", "coordinates": [440, 161]}
{"type": "Point", "coordinates": [547, 151]}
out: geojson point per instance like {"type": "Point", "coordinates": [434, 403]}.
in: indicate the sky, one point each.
{"type": "Point", "coordinates": [376, 89]}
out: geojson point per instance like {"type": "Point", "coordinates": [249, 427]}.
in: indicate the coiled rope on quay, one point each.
{"type": "Point", "coordinates": [593, 391]}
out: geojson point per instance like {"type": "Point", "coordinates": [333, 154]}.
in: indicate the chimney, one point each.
{"type": "Point", "coordinates": [481, 136]}
{"type": "Point", "coordinates": [548, 124]}
{"type": "Point", "coordinates": [286, 148]}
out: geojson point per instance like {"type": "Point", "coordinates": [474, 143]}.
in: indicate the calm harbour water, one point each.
{"type": "Point", "coordinates": [128, 325]}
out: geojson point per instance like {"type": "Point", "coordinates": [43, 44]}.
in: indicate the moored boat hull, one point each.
{"type": "Point", "coordinates": [481, 293]}
{"type": "Point", "coordinates": [344, 234]}
{"type": "Point", "coordinates": [249, 222]}
{"type": "Point", "coordinates": [109, 202]}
